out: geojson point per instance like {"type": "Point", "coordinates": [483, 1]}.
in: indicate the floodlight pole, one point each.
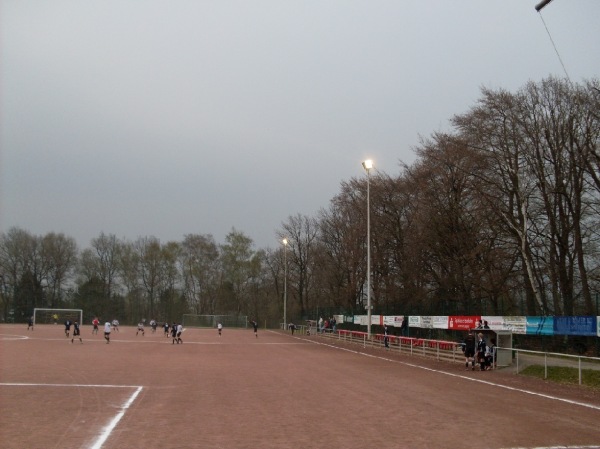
{"type": "Point", "coordinates": [285, 243]}
{"type": "Point", "coordinates": [368, 165]}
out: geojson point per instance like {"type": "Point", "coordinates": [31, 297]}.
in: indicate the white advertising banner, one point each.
{"type": "Point", "coordinates": [598, 326]}
{"type": "Point", "coordinates": [414, 321]}
{"type": "Point", "coordinates": [360, 319]}
{"type": "Point", "coordinates": [363, 320]}
{"type": "Point", "coordinates": [440, 322]}
{"type": "Point", "coordinates": [393, 320]}
{"type": "Point", "coordinates": [516, 324]}
{"type": "Point", "coordinates": [426, 322]}
{"type": "Point", "coordinates": [494, 322]}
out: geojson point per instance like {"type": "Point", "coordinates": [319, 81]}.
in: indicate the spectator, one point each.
{"type": "Point", "coordinates": [490, 354]}
{"type": "Point", "coordinates": [386, 338]}
{"type": "Point", "coordinates": [481, 348]}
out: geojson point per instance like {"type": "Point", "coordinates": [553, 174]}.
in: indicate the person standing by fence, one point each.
{"type": "Point", "coordinates": [469, 349]}
{"type": "Point", "coordinates": [481, 346]}
{"type": "Point", "coordinates": [386, 336]}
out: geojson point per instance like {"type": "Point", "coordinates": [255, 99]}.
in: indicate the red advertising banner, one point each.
{"type": "Point", "coordinates": [463, 323]}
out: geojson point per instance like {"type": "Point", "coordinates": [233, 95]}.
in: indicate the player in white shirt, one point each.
{"type": "Point", "coordinates": [107, 332]}
{"type": "Point", "coordinates": [179, 332]}
{"type": "Point", "coordinates": [220, 328]}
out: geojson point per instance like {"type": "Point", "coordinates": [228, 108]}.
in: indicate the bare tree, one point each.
{"type": "Point", "coordinates": [301, 233]}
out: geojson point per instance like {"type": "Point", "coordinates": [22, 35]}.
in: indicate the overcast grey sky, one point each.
{"type": "Point", "coordinates": [164, 118]}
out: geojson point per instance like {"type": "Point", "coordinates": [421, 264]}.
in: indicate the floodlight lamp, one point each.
{"type": "Point", "coordinates": [368, 164]}
{"type": "Point", "coordinates": [285, 241]}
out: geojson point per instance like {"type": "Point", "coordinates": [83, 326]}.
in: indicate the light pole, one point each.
{"type": "Point", "coordinates": [368, 165]}
{"type": "Point", "coordinates": [285, 243]}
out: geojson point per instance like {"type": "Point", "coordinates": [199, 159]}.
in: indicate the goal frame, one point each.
{"type": "Point", "coordinates": [58, 312]}
{"type": "Point", "coordinates": [211, 321]}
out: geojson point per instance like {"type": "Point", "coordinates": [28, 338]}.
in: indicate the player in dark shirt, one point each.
{"type": "Point", "coordinates": [470, 350]}
{"type": "Point", "coordinates": [76, 332]}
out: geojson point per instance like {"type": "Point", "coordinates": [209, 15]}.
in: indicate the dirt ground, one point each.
{"type": "Point", "coordinates": [274, 391]}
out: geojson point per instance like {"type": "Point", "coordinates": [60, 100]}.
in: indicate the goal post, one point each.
{"type": "Point", "coordinates": [211, 321]}
{"type": "Point", "coordinates": [56, 316]}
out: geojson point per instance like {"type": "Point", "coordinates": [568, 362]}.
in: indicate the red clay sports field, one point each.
{"type": "Point", "coordinates": [274, 391]}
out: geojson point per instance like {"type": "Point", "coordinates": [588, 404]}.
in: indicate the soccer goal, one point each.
{"type": "Point", "coordinates": [190, 320]}
{"type": "Point", "coordinates": [57, 316]}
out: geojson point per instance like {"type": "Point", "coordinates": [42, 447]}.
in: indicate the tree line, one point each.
{"type": "Point", "coordinates": [498, 216]}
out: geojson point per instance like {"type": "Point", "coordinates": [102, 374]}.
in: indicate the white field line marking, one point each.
{"type": "Point", "coordinates": [21, 384]}
{"type": "Point", "coordinates": [113, 423]}
{"type": "Point", "coordinates": [557, 447]}
{"type": "Point", "coordinates": [9, 337]}
{"type": "Point", "coordinates": [486, 382]}
{"type": "Point", "coordinates": [108, 429]}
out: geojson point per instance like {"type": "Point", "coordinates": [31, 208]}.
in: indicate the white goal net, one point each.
{"type": "Point", "coordinates": [190, 320]}
{"type": "Point", "coordinates": [57, 316]}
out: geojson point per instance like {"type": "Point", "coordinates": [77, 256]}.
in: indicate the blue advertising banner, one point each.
{"type": "Point", "coordinates": [575, 325]}
{"type": "Point", "coordinates": [540, 325]}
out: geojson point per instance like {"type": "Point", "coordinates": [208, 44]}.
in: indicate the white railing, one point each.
{"type": "Point", "coordinates": [440, 350]}
{"type": "Point", "coordinates": [524, 358]}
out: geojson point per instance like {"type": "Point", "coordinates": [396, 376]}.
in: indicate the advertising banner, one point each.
{"type": "Point", "coordinates": [516, 324]}
{"type": "Point", "coordinates": [414, 321]}
{"type": "Point", "coordinates": [440, 322]}
{"type": "Point", "coordinates": [394, 321]}
{"type": "Point", "coordinates": [360, 319]}
{"type": "Point", "coordinates": [598, 325]}
{"type": "Point", "coordinates": [540, 325]}
{"type": "Point", "coordinates": [462, 323]}
{"type": "Point", "coordinates": [576, 325]}
{"type": "Point", "coordinates": [426, 322]}
{"type": "Point", "coordinates": [494, 322]}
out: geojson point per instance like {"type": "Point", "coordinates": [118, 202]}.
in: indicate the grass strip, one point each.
{"type": "Point", "coordinates": [565, 375]}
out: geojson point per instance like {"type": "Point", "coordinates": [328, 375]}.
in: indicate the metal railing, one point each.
{"type": "Point", "coordinates": [524, 358]}
{"type": "Point", "coordinates": [440, 350]}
